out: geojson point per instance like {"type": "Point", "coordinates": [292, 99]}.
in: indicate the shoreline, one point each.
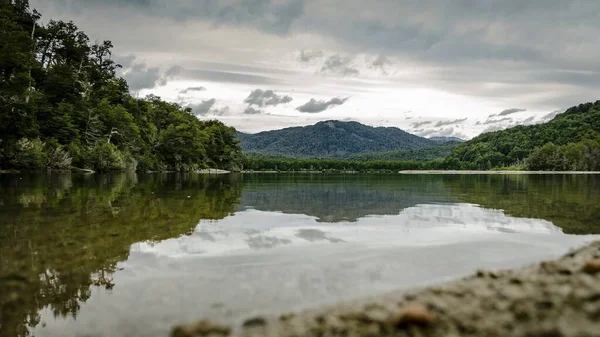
{"type": "Point", "coordinates": [551, 298]}
{"type": "Point", "coordinates": [406, 172]}
{"type": "Point", "coordinates": [493, 172]}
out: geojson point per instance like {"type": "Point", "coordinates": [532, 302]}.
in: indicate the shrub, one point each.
{"type": "Point", "coordinates": [106, 157]}
{"type": "Point", "coordinates": [58, 159]}
{"type": "Point", "coordinates": [80, 155]}
{"type": "Point", "coordinates": [28, 154]}
{"type": "Point", "coordinates": [131, 163]}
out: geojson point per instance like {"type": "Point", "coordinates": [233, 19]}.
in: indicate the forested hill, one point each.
{"type": "Point", "coordinates": [331, 139]}
{"type": "Point", "coordinates": [62, 105]}
{"type": "Point", "coordinates": [571, 141]}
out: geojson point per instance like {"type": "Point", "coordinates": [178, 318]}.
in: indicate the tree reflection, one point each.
{"type": "Point", "coordinates": [61, 235]}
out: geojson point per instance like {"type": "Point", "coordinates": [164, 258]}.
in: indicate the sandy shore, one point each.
{"type": "Point", "coordinates": [552, 298]}
{"type": "Point", "coordinates": [494, 172]}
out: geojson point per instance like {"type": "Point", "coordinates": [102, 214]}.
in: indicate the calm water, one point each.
{"type": "Point", "coordinates": [133, 255]}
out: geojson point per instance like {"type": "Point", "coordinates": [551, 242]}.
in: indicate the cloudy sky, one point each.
{"type": "Point", "coordinates": [431, 67]}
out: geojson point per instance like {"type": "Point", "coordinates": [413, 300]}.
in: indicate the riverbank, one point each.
{"type": "Point", "coordinates": [551, 298]}
{"type": "Point", "coordinates": [493, 172]}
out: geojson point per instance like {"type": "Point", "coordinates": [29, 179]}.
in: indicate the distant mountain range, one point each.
{"type": "Point", "coordinates": [335, 139]}
{"type": "Point", "coordinates": [446, 139]}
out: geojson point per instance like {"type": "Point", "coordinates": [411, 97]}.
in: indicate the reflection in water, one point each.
{"type": "Point", "coordinates": [62, 236]}
{"type": "Point", "coordinates": [571, 202]}
{"type": "Point", "coordinates": [426, 223]}
{"type": "Point", "coordinates": [313, 235]}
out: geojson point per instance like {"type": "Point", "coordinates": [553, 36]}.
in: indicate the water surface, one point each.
{"type": "Point", "coordinates": [126, 254]}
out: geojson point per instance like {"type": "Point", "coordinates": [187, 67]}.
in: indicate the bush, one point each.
{"type": "Point", "coordinates": [80, 155]}
{"type": "Point", "coordinates": [58, 159]}
{"type": "Point", "coordinates": [131, 163]}
{"type": "Point", "coordinates": [28, 154]}
{"type": "Point", "coordinates": [106, 157]}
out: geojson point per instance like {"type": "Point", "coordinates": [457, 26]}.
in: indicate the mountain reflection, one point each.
{"type": "Point", "coordinates": [63, 235]}
{"type": "Point", "coordinates": [571, 202]}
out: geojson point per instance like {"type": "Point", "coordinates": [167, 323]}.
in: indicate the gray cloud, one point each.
{"type": "Point", "coordinates": [271, 16]}
{"type": "Point", "coordinates": [139, 76]}
{"type": "Point", "coordinates": [419, 124]}
{"type": "Point", "coordinates": [220, 111]}
{"type": "Point", "coordinates": [309, 55]}
{"type": "Point", "coordinates": [380, 62]}
{"type": "Point", "coordinates": [340, 65]}
{"type": "Point", "coordinates": [204, 107]}
{"type": "Point", "coordinates": [227, 77]}
{"type": "Point", "coordinates": [251, 111]}
{"type": "Point", "coordinates": [550, 116]}
{"type": "Point", "coordinates": [314, 106]}
{"type": "Point", "coordinates": [493, 128]}
{"type": "Point", "coordinates": [528, 120]}
{"type": "Point", "coordinates": [266, 97]}
{"type": "Point", "coordinates": [452, 122]}
{"type": "Point", "coordinates": [191, 89]}
{"type": "Point", "coordinates": [510, 111]}
{"type": "Point", "coordinates": [496, 121]}
{"type": "Point", "coordinates": [523, 46]}
{"type": "Point", "coordinates": [444, 132]}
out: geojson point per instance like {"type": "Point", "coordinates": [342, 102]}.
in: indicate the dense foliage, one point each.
{"type": "Point", "coordinates": [272, 163]}
{"type": "Point", "coordinates": [62, 236]}
{"type": "Point", "coordinates": [62, 104]}
{"type": "Point", "coordinates": [571, 141]}
{"type": "Point", "coordinates": [331, 139]}
{"type": "Point", "coordinates": [440, 151]}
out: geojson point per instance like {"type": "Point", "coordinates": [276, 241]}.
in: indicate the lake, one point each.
{"type": "Point", "coordinates": [133, 255]}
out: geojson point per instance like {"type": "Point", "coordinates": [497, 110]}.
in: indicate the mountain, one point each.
{"type": "Point", "coordinates": [331, 139]}
{"type": "Point", "coordinates": [570, 141]}
{"type": "Point", "coordinates": [447, 139]}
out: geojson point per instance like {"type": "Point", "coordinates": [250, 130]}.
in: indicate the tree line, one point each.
{"type": "Point", "coordinates": [268, 163]}
{"type": "Point", "coordinates": [63, 105]}
{"type": "Point", "coordinates": [571, 141]}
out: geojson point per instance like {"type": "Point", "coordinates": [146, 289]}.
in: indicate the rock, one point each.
{"type": "Point", "coordinates": [200, 329]}
{"type": "Point", "coordinates": [286, 317]}
{"type": "Point", "coordinates": [414, 314]}
{"type": "Point", "coordinates": [592, 266]}
{"type": "Point", "coordinates": [254, 322]}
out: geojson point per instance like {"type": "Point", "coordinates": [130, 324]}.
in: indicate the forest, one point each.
{"type": "Point", "coordinates": [62, 105]}
{"type": "Point", "coordinates": [273, 163]}
{"type": "Point", "coordinates": [569, 142]}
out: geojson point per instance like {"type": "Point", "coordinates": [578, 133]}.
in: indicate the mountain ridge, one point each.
{"type": "Point", "coordinates": [332, 139]}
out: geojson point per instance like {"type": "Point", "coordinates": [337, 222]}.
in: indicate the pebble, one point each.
{"type": "Point", "coordinates": [592, 266]}
{"type": "Point", "coordinates": [414, 314]}
{"type": "Point", "coordinates": [253, 322]}
{"type": "Point", "coordinates": [200, 329]}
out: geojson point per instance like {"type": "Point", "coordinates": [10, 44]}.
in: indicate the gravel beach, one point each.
{"type": "Point", "coordinates": [551, 298]}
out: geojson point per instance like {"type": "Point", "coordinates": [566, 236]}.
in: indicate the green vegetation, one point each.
{"type": "Point", "coordinates": [571, 141]}
{"type": "Point", "coordinates": [62, 105]}
{"type": "Point", "coordinates": [431, 158]}
{"type": "Point", "coordinates": [568, 201]}
{"type": "Point", "coordinates": [425, 154]}
{"type": "Point", "coordinates": [331, 139]}
{"type": "Point", "coordinates": [271, 163]}
{"type": "Point", "coordinates": [63, 235]}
